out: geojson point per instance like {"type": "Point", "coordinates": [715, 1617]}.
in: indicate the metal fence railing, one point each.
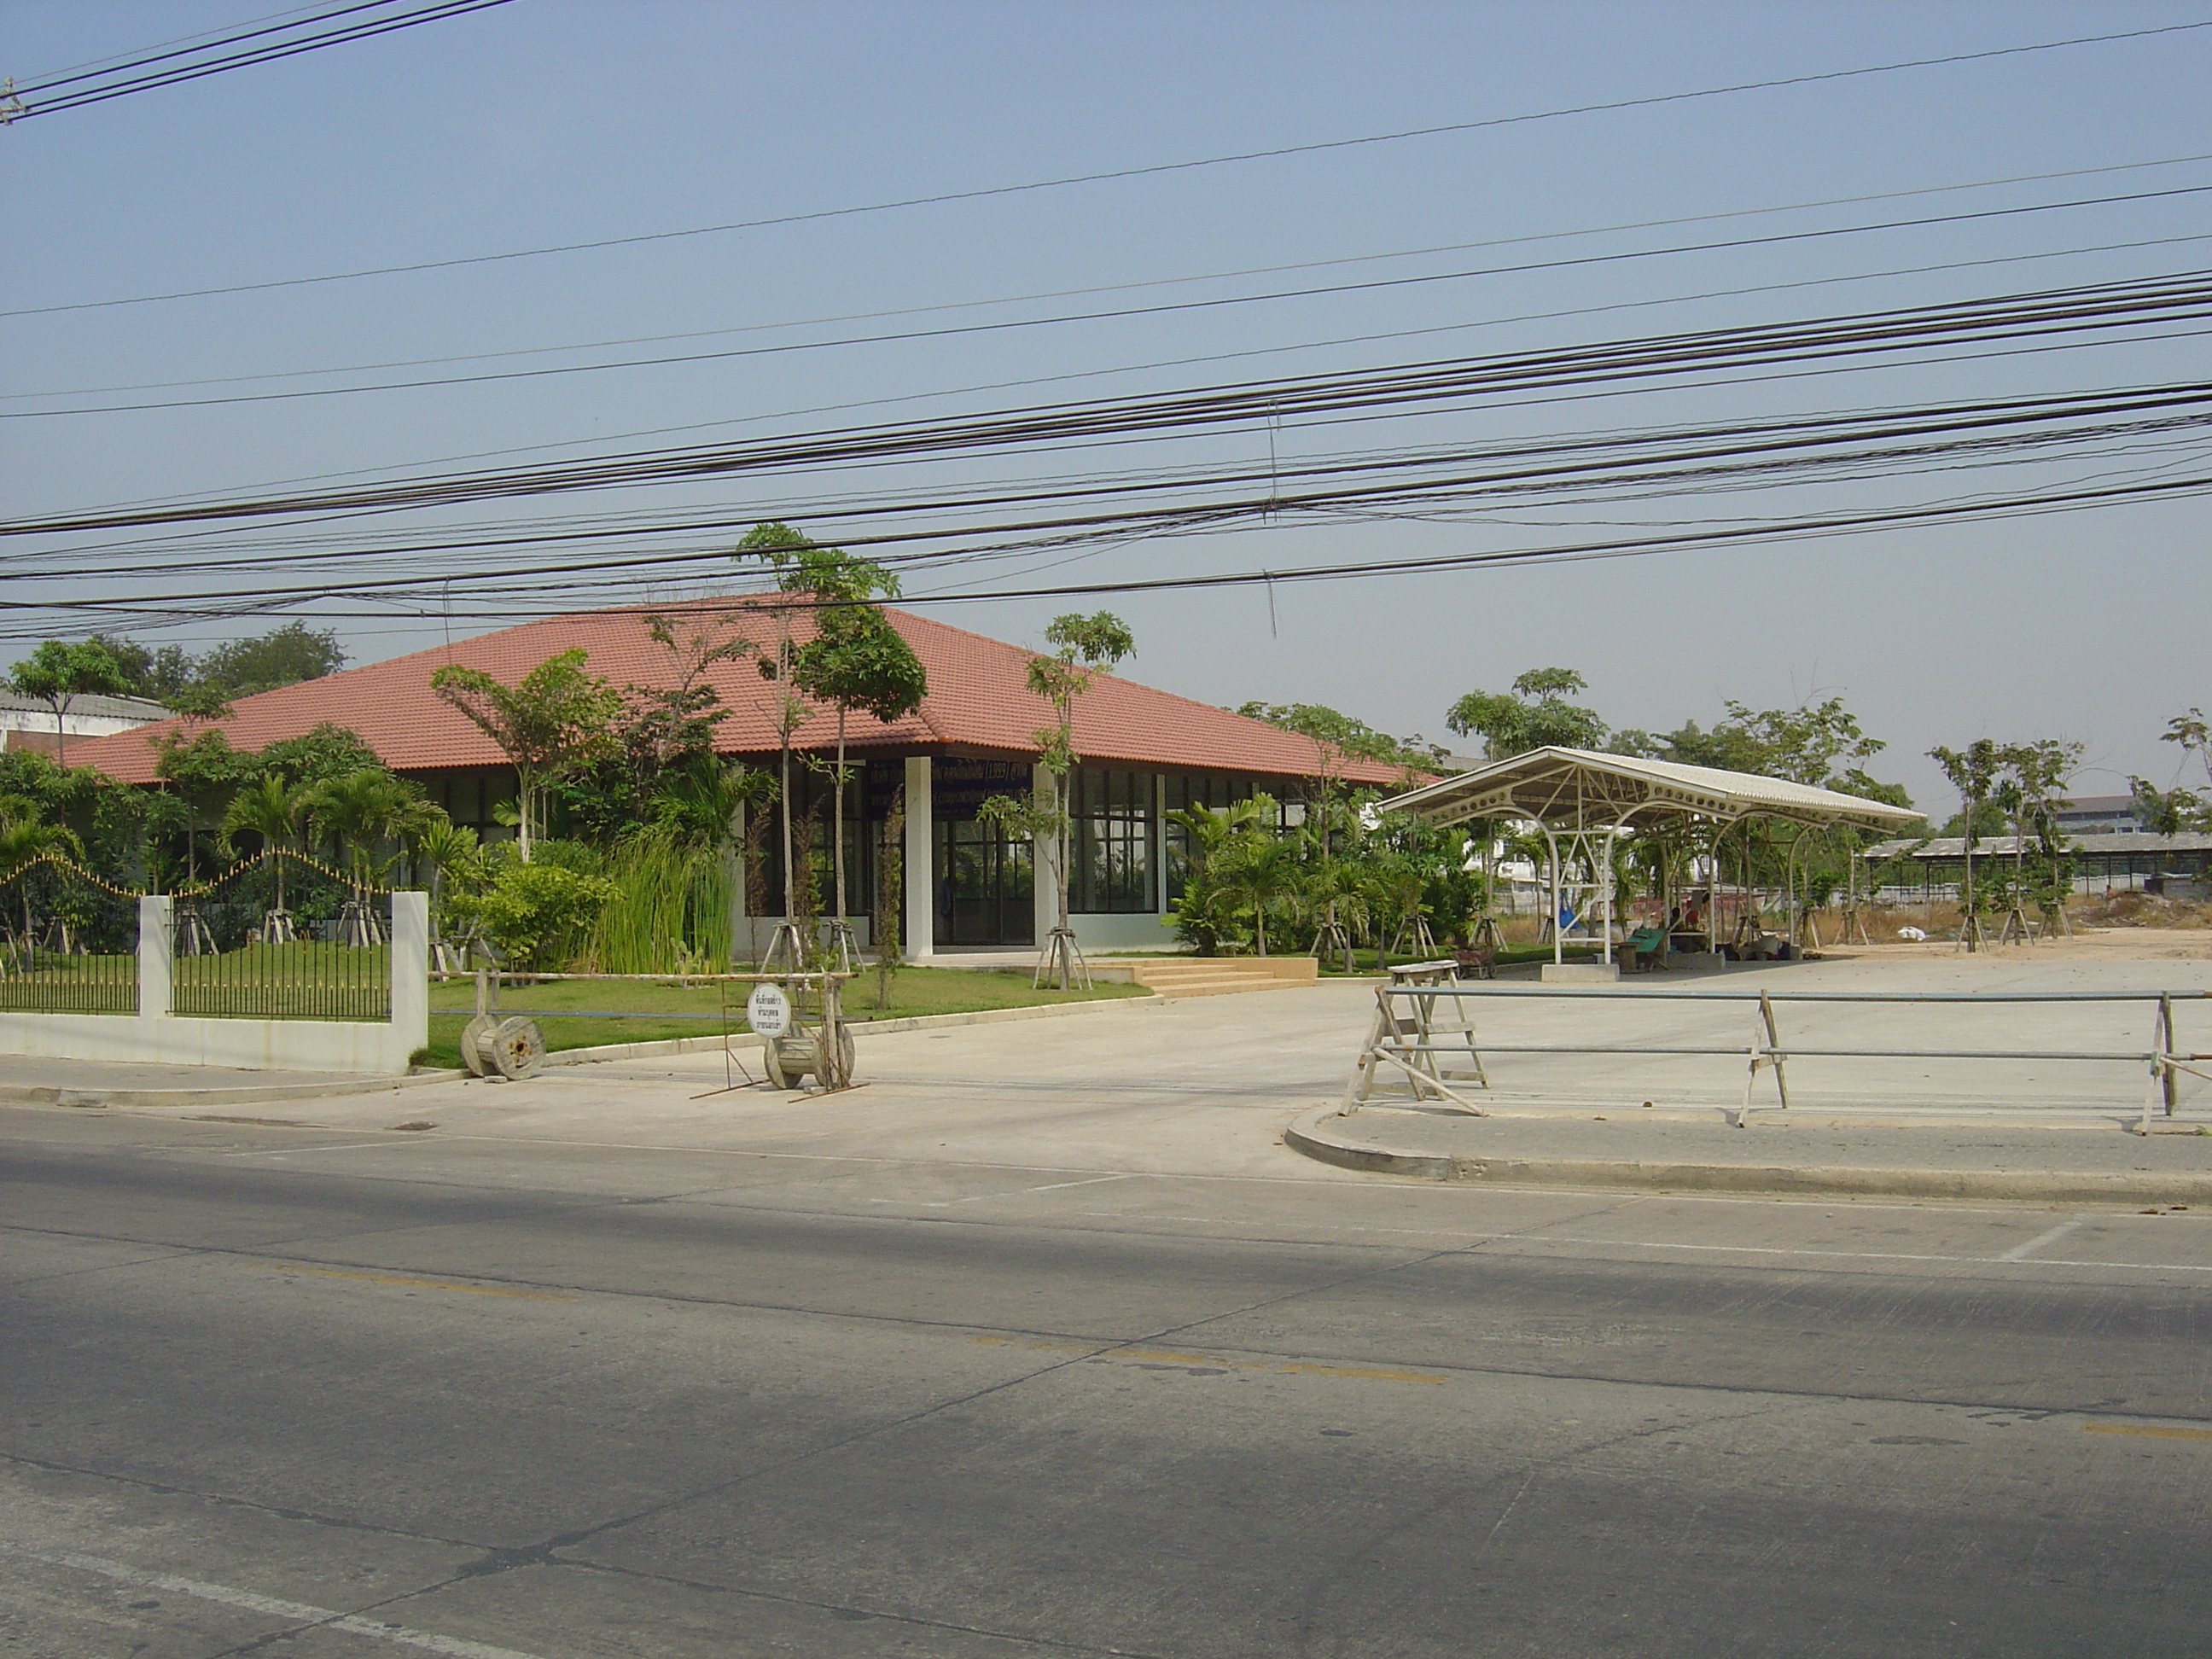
{"type": "Point", "coordinates": [281, 938]}
{"type": "Point", "coordinates": [1425, 1031]}
{"type": "Point", "coordinates": [68, 942]}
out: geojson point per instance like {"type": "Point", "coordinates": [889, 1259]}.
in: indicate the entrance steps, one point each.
{"type": "Point", "coordinates": [1175, 977]}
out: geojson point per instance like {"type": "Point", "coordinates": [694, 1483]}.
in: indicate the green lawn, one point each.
{"type": "Point", "coordinates": [58, 984]}
{"type": "Point", "coordinates": [587, 1013]}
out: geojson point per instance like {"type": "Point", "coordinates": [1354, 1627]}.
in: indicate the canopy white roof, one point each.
{"type": "Point", "coordinates": [1582, 789]}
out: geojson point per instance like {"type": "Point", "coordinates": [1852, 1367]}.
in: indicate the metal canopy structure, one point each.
{"type": "Point", "coordinates": [1587, 798]}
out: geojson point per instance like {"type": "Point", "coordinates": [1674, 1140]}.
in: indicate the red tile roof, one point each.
{"type": "Point", "coordinates": [979, 700]}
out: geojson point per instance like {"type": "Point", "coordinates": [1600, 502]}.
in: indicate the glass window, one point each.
{"type": "Point", "coordinates": [1111, 869]}
{"type": "Point", "coordinates": [1184, 790]}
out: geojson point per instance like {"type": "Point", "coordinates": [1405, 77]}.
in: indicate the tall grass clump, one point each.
{"type": "Point", "coordinates": [670, 911]}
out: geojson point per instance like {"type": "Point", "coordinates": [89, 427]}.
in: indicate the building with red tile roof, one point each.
{"type": "Point", "coordinates": [1144, 753]}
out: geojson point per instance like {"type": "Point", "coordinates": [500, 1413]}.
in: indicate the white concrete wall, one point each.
{"type": "Point", "coordinates": [1139, 930]}
{"type": "Point", "coordinates": [155, 1037]}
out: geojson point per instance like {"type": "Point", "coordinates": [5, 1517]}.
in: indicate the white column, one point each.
{"type": "Point", "coordinates": [921, 940]}
{"type": "Point", "coordinates": [1044, 885]}
{"type": "Point", "coordinates": [156, 943]}
{"type": "Point", "coordinates": [410, 971]}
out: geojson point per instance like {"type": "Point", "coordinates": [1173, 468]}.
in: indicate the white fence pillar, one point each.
{"type": "Point", "coordinates": [921, 940]}
{"type": "Point", "coordinates": [410, 971]}
{"type": "Point", "coordinates": [156, 947]}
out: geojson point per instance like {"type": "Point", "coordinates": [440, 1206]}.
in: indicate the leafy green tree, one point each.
{"type": "Point", "coordinates": [361, 813]}
{"type": "Point", "coordinates": [2030, 788]}
{"type": "Point", "coordinates": [171, 675]}
{"type": "Point", "coordinates": [325, 751]}
{"type": "Point", "coordinates": [555, 718]}
{"type": "Point", "coordinates": [858, 662]}
{"type": "Point", "coordinates": [2178, 809]}
{"type": "Point", "coordinates": [2167, 812]}
{"type": "Point", "coordinates": [807, 574]}
{"type": "Point", "coordinates": [1336, 890]}
{"type": "Point", "coordinates": [201, 776]}
{"type": "Point", "coordinates": [1816, 743]}
{"type": "Point", "coordinates": [2194, 734]}
{"type": "Point", "coordinates": [1209, 911]}
{"type": "Point", "coordinates": [26, 837]}
{"type": "Point", "coordinates": [283, 656]}
{"type": "Point", "coordinates": [200, 702]}
{"type": "Point", "coordinates": [157, 674]}
{"type": "Point", "coordinates": [1974, 772]}
{"type": "Point", "coordinates": [538, 913]}
{"type": "Point", "coordinates": [1335, 735]}
{"type": "Point", "coordinates": [273, 810]}
{"type": "Point", "coordinates": [60, 671]}
{"type": "Point", "coordinates": [1087, 646]}
{"type": "Point", "coordinates": [1536, 713]}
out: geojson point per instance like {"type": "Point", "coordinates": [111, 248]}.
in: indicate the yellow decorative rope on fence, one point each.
{"type": "Point", "coordinates": [195, 889]}
{"type": "Point", "coordinates": [62, 861]}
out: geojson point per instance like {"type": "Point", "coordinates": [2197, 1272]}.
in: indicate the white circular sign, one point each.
{"type": "Point", "coordinates": [767, 1011]}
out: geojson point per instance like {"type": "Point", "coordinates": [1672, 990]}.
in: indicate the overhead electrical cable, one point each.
{"type": "Point", "coordinates": [123, 63]}
{"type": "Point", "coordinates": [1117, 288]}
{"type": "Point", "coordinates": [33, 104]}
{"type": "Point", "coordinates": [1118, 314]}
{"type": "Point", "coordinates": [48, 77]}
{"type": "Point", "coordinates": [1185, 363]}
{"type": "Point", "coordinates": [1147, 170]}
{"type": "Point", "coordinates": [1578, 463]}
{"type": "Point", "coordinates": [2090, 307]}
{"type": "Point", "coordinates": [1515, 467]}
{"type": "Point", "coordinates": [247, 601]}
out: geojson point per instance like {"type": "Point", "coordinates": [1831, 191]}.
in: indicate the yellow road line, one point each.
{"type": "Point", "coordinates": [419, 1283]}
{"type": "Point", "coordinates": [2148, 1431]}
{"type": "Point", "coordinates": [1212, 1362]}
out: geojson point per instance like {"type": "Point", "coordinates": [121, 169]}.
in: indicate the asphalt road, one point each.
{"type": "Point", "coordinates": [317, 1392]}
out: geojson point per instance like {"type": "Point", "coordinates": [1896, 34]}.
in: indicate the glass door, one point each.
{"type": "Point", "coordinates": [986, 885]}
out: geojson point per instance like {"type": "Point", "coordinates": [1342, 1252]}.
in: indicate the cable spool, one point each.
{"type": "Point", "coordinates": [515, 1048]}
{"type": "Point", "coordinates": [789, 1058]}
{"type": "Point", "coordinates": [472, 1036]}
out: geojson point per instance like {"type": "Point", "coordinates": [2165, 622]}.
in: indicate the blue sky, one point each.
{"type": "Point", "coordinates": [545, 121]}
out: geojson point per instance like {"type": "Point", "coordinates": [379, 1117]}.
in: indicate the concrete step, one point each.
{"type": "Point", "coordinates": [1214, 988]}
{"type": "Point", "coordinates": [1219, 975]}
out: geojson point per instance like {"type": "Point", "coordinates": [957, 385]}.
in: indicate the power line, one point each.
{"type": "Point", "coordinates": [2004, 317]}
{"type": "Point", "coordinates": [1760, 449]}
{"type": "Point", "coordinates": [50, 76]}
{"type": "Point", "coordinates": [1512, 467]}
{"type": "Point", "coordinates": [1209, 358]}
{"type": "Point", "coordinates": [124, 62]}
{"type": "Point", "coordinates": [1120, 314]}
{"type": "Point", "coordinates": [179, 73]}
{"type": "Point", "coordinates": [1124, 287]}
{"type": "Point", "coordinates": [1152, 170]}
{"type": "Point", "coordinates": [253, 601]}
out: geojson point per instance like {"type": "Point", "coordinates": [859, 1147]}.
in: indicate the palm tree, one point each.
{"type": "Point", "coordinates": [360, 811]}
{"type": "Point", "coordinates": [25, 838]}
{"type": "Point", "coordinates": [277, 812]}
{"type": "Point", "coordinates": [438, 848]}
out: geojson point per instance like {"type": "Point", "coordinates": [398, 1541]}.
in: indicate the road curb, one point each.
{"type": "Point", "coordinates": [1324, 1135]}
{"type": "Point", "coordinates": [241, 1095]}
